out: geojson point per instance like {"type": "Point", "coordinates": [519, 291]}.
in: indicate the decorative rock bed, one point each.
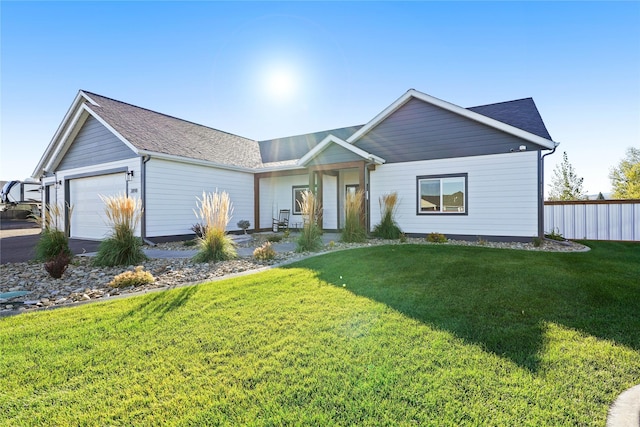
{"type": "Point", "coordinates": [84, 282]}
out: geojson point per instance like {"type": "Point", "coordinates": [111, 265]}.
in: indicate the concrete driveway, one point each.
{"type": "Point", "coordinates": [18, 240]}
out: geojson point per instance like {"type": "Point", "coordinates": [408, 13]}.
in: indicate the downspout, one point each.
{"type": "Point", "coordinates": [541, 191]}
{"type": "Point", "coordinates": [143, 197]}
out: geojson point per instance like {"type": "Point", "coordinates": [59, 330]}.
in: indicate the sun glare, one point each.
{"type": "Point", "coordinates": [281, 83]}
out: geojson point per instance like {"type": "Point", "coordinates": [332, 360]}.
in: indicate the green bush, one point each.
{"type": "Point", "coordinates": [274, 238]}
{"type": "Point", "coordinates": [264, 252]}
{"type": "Point", "coordinates": [354, 231]}
{"type": "Point", "coordinates": [555, 235]}
{"type": "Point", "coordinates": [51, 243]}
{"type": "Point", "coordinates": [436, 238]}
{"type": "Point", "coordinates": [214, 210]}
{"type": "Point", "coordinates": [137, 277]}
{"type": "Point", "coordinates": [122, 247]}
{"type": "Point", "coordinates": [388, 228]}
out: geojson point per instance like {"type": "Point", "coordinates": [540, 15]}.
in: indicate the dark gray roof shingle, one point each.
{"type": "Point", "coordinates": [295, 147]}
{"type": "Point", "coordinates": [521, 113]}
{"type": "Point", "coordinates": [156, 132]}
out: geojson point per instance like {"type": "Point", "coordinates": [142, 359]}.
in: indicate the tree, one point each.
{"type": "Point", "coordinates": [566, 185]}
{"type": "Point", "coordinates": [625, 179]}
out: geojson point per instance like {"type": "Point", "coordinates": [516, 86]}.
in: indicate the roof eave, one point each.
{"type": "Point", "coordinates": [172, 157]}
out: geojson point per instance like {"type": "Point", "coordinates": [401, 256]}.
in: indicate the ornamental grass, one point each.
{"type": "Point", "coordinates": [310, 236]}
{"type": "Point", "coordinates": [354, 231]}
{"type": "Point", "coordinates": [53, 238]}
{"type": "Point", "coordinates": [388, 227]}
{"type": "Point", "coordinates": [122, 247]}
{"type": "Point", "coordinates": [214, 211]}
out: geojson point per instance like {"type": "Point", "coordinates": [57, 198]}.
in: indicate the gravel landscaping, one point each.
{"type": "Point", "coordinates": [27, 286]}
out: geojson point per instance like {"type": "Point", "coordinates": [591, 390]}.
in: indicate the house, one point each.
{"type": "Point", "coordinates": [463, 172]}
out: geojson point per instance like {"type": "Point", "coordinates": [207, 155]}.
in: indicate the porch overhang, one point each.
{"type": "Point", "coordinates": [334, 140]}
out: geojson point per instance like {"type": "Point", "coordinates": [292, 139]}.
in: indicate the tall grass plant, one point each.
{"type": "Point", "coordinates": [53, 239]}
{"type": "Point", "coordinates": [214, 211]}
{"type": "Point", "coordinates": [122, 247]}
{"type": "Point", "coordinates": [388, 227]}
{"type": "Point", "coordinates": [310, 239]}
{"type": "Point", "coordinates": [354, 231]}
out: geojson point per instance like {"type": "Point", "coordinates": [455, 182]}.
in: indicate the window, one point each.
{"type": "Point", "coordinates": [297, 198]}
{"type": "Point", "coordinates": [442, 194]}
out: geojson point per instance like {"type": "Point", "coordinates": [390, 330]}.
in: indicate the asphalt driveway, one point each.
{"type": "Point", "coordinates": [18, 239]}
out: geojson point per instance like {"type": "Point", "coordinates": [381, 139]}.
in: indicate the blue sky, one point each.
{"type": "Point", "coordinates": [333, 64]}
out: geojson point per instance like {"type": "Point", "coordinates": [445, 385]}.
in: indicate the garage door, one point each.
{"type": "Point", "coordinates": [88, 220]}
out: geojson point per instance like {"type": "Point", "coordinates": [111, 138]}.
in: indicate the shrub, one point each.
{"type": "Point", "coordinates": [136, 277]}
{"type": "Point", "coordinates": [122, 247]}
{"type": "Point", "coordinates": [555, 235]}
{"type": "Point", "coordinates": [436, 238]}
{"type": "Point", "coordinates": [215, 209]}
{"type": "Point", "coordinates": [274, 238]}
{"type": "Point", "coordinates": [354, 231]}
{"type": "Point", "coordinates": [264, 252]}
{"type": "Point", "coordinates": [388, 228]}
{"type": "Point", "coordinates": [52, 240]}
{"type": "Point", "coordinates": [310, 235]}
{"type": "Point", "coordinates": [57, 265]}
{"type": "Point", "coordinates": [244, 224]}
{"type": "Point", "coordinates": [537, 242]}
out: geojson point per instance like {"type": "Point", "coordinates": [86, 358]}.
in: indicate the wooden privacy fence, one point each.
{"type": "Point", "coordinates": [594, 219]}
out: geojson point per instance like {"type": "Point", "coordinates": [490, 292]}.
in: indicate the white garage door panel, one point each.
{"type": "Point", "coordinates": [88, 220]}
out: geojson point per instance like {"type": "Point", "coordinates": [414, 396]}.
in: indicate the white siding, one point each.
{"type": "Point", "coordinates": [502, 195]}
{"type": "Point", "coordinates": [172, 188]}
{"type": "Point", "coordinates": [330, 202]}
{"type": "Point", "coordinates": [594, 220]}
{"type": "Point", "coordinates": [277, 193]}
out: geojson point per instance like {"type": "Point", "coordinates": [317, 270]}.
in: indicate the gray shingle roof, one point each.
{"type": "Point", "coordinates": [295, 147]}
{"type": "Point", "coordinates": [156, 132]}
{"type": "Point", "coordinates": [521, 113]}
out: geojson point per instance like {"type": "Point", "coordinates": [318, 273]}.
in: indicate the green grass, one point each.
{"type": "Point", "coordinates": [393, 335]}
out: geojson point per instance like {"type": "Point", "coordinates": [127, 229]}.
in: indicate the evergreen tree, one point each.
{"type": "Point", "coordinates": [625, 179]}
{"type": "Point", "coordinates": [566, 185]}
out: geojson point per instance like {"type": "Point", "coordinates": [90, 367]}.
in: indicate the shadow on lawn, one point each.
{"type": "Point", "coordinates": [499, 299]}
{"type": "Point", "coordinates": [161, 303]}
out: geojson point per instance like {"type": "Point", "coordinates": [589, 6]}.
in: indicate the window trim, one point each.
{"type": "Point", "coordinates": [295, 209]}
{"type": "Point", "coordinates": [440, 176]}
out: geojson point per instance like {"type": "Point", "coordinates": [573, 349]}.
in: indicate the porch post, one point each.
{"type": "Point", "coordinates": [256, 202]}
{"type": "Point", "coordinates": [319, 198]}
{"type": "Point", "coordinates": [365, 194]}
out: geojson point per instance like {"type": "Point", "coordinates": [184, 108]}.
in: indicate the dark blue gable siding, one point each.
{"type": "Point", "coordinates": [421, 131]}
{"type": "Point", "coordinates": [94, 144]}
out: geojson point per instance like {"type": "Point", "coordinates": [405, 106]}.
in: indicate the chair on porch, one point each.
{"type": "Point", "coordinates": [282, 222]}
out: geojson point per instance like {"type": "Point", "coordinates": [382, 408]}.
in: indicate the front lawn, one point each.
{"type": "Point", "coordinates": [391, 335]}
